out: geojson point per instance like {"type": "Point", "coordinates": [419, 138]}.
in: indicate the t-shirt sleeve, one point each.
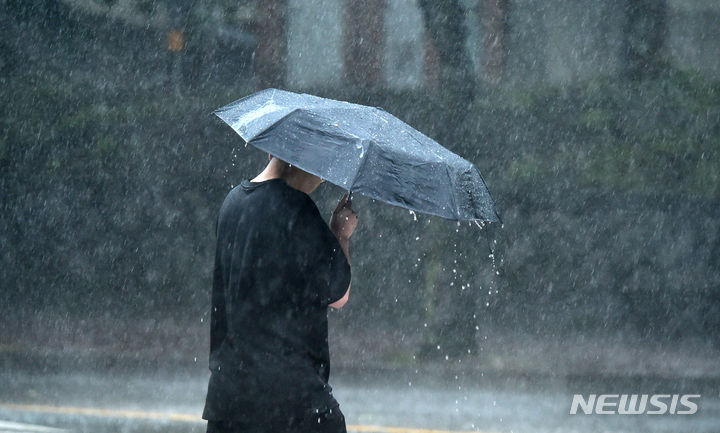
{"type": "Point", "coordinates": [324, 261]}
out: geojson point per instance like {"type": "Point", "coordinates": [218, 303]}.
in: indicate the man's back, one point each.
{"type": "Point", "coordinates": [277, 268]}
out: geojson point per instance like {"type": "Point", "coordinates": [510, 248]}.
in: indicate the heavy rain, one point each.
{"type": "Point", "coordinates": [594, 305]}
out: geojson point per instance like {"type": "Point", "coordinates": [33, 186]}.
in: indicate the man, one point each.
{"type": "Point", "coordinates": [278, 266]}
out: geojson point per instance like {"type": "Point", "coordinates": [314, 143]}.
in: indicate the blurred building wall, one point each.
{"type": "Point", "coordinates": [550, 41]}
{"type": "Point", "coordinates": [553, 42]}
{"type": "Point", "coordinates": [315, 43]}
{"type": "Point", "coordinates": [364, 42]}
{"type": "Point", "coordinates": [270, 48]}
{"type": "Point", "coordinates": [405, 44]}
{"type": "Point", "coordinates": [527, 40]}
{"type": "Point", "coordinates": [584, 39]}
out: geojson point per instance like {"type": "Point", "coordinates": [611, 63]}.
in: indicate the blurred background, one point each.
{"type": "Point", "coordinates": [596, 125]}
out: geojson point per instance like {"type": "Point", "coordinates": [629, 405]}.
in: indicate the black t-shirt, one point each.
{"type": "Point", "coordinates": [277, 267]}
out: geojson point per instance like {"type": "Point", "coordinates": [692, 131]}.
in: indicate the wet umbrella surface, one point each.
{"type": "Point", "coordinates": [362, 149]}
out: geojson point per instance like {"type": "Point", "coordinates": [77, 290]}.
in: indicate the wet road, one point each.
{"type": "Point", "coordinates": [381, 401]}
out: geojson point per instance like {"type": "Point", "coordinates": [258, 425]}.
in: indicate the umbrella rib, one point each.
{"type": "Point", "coordinates": [453, 198]}
{"type": "Point", "coordinates": [371, 145]}
{"type": "Point", "coordinates": [274, 124]}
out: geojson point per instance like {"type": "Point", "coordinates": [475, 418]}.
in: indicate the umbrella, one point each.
{"type": "Point", "coordinates": [364, 150]}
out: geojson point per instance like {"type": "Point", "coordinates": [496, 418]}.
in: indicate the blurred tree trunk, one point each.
{"type": "Point", "coordinates": [715, 251]}
{"type": "Point", "coordinates": [179, 12]}
{"type": "Point", "coordinates": [644, 39]}
{"type": "Point", "coordinates": [431, 65]}
{"type": "Point", "coordinates": [712, 302]}
{"type": "Point", "coordinates": [493, 14]}
{"type": "Point", "coordinates": [444, 23]}
{"type": "Point", "coordinates": [445, 29]}
{"type": "Point", "coordinates": [364, 41]}
{"type": "Point", "coordinates": [271, 49]}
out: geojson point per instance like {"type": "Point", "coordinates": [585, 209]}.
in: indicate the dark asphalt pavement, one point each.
{"type": "Point", "coordinates": [401, 401]}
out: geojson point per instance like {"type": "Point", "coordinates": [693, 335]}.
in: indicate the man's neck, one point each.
{"type": "Point", "coordinates": [292, 177]}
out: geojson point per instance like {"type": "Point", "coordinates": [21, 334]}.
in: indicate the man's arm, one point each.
{"type": "Point", "coordinates": [343, 224]}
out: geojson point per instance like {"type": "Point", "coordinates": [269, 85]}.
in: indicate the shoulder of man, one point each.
{"type": "Point", "coordinates": [307, 211]}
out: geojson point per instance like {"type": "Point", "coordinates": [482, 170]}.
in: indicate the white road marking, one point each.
{"type": "Point", "coordinates": [17, 427]}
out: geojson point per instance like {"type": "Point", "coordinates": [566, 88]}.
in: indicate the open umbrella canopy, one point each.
{"type": "Point", "coordinates": [364, 150]}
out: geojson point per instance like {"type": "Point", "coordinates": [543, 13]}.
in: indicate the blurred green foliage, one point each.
{"type": "Point", "coordinates": [654, 135]}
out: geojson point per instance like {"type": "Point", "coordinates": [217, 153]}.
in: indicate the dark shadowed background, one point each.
{"type": "Point", "coordinates": [596, 125]}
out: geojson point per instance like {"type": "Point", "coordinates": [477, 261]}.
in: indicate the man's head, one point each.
{"type": "Point", "coordinates": [294, 176]}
